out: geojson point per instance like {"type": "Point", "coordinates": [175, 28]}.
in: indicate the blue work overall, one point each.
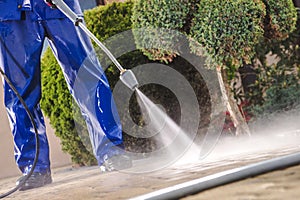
{"type": "Point", "coordinates": [24, 25]}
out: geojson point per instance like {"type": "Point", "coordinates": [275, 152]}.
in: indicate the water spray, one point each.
{"type": "Point", "coordinates": [126, 76]}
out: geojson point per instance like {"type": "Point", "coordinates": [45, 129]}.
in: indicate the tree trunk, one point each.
{"type": "Point", "coordinates": [232, 107]}
{"type": "Point", "coordinates": [296, 3]}
{"type": "Point", "coordinates": [100, 2]}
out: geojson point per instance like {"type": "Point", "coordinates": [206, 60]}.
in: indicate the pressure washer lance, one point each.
{"type": "Point", "coordinates": [129, 79]}
{"type": "Point", "coordinates": [126, 76]}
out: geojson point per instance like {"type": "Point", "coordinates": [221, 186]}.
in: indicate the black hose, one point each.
{"type": "Point", "coordinates": [225, 177]}
{"type": "Point", "coordinates": [36, 137]}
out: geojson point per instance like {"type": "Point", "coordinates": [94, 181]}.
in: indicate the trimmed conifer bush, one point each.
{"type": "Point", "coordinates": [156, 24]}
{"type": "Point", "coordinates": [280, 20]}
{"type": "Point", "coordinates": [228, 30]}
{"type": "Point", "coordinates": [277, 87]}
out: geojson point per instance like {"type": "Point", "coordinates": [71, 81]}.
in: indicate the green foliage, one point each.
{"type": "Point", "coordinates": [232, 33]}
{"type": "Point", "coordinates": [57, 103]}
{"type": "Point", "coordinates": [109, 20]}
{"type": "Point", "coordinates": [277, 87]}
{"type": "Point", "coordinates": [168, 14]}
{"type": "Point", "coordinates": [228, 30]}
{"type": "Point", "coordinates": [154, 22]}
{"type": "Point", "coordinates": [280, 20]}
{"type": "Point", "coordinates": [279, 98]}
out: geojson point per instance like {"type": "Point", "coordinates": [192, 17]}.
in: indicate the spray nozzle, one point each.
{"type": "Point", "coordinates": [129, 79]}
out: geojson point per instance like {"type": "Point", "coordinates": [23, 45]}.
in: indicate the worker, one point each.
{"type": "Point", "coordinates": [24, 25]}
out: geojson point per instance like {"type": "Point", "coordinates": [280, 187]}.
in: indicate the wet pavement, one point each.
{"type": "Point", "coordinates": [90, 183]}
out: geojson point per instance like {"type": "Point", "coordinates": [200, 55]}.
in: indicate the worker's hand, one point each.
{"type": "Point", "coordinates": [50, 3]}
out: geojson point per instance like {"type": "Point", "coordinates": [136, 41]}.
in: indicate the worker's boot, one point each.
{"type": "Point", "coordinates": [117, 162]}
{"type": "Point", "coordinates": [35, 180]}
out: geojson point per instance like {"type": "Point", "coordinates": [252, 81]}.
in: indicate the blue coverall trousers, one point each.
{"type": "Point", "coordinates": [20, 50]}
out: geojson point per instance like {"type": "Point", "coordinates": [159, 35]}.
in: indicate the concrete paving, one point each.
{"type": "Point", "coordinates": [277, 185]}
{"type": "Point", "coordinates": [90, 183]}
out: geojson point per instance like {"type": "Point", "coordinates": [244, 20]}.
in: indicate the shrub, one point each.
{"type": "Point", "coordinates": [277, 85]}
{"type": "Point", "coordinates": [233, 33]}
{"type": "Point", "coordinates": [279, 99]}
{"type": "Point", "coordinates": [228, 30]}
{"type": "Point", "coordinates": [280, 19]}
{"type": "Point", "coordinates": [109, 20]}
{"type": "Point", "coordinates": [156, 23]}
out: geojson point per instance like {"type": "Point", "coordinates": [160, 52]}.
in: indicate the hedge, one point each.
{"type": "Point", "coordinates": [277, 86]}
{"type": "Point", "coordinates": [280, 20]}
{"type": "Point", "coordinates": [229, 30]}
{"type": "Point", "coordinates": [230, 33]}
{"type": "Point", "coordinates": [156, 23]}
